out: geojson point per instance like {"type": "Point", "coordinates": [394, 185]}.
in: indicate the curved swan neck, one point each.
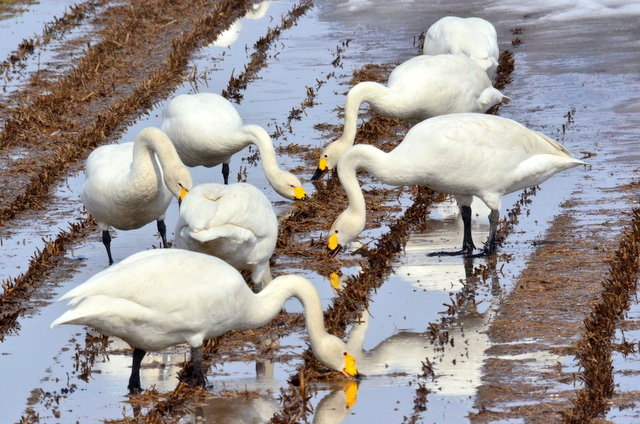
{"type": "Point", "coordinates": [152, 141]}
{"type": "Point", "coordinates": [364, 92]}
{"type": "Point", "coordinates": [365, 157]}
{"type": "Point", "coordinates": [269, 302]}
{"type": "Point", "coordinates": [144, 150]}
{"type": "Point", "coordinates": [262, 140]}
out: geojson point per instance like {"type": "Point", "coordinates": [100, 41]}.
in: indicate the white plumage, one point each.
{"type": "Point", "coordinates": [207, 131]}
{"type": "Point", "coordinates": [230, 35]}
{"type": "Point", "coordinates": [474, 38]}
{"type": "Point", "coordinates": [420, 88]}
{"type": "Point", "coordinates": [129, 185]}
{"type": "Point", "coordinates": [234, 222]}
{"type": "Point", "coordinates": [160, 298]}
{"type": "Point", "coordinates": [464, 155]}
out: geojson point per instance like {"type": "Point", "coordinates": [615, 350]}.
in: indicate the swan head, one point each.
{"type": "Point", "coordinates": [333, 353]}
{"type": "Point", "coordinates": [178, 181]}
{"type": "Point", "coordinates": [290, 187]}
{"type": "Point", "coordinates": [329, 159]}
{"type": "Point", "coordinates": [344, 230]}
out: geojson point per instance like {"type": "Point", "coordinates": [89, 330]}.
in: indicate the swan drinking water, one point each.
{"type": "Point", "coordinates": [420, 88]}
{"type": "Point", "coordinates": [474, 38]}
{"type": "Point", "coordinates": [160, 298]}
{"type": "Point", "coordinates": [464, 155]}
{"type": "Point", "coordinates": [129, 185]}
{"type": "Point", "coordinates": [234, 222]}
{"type": "Point", "coordinates": [207, 131]}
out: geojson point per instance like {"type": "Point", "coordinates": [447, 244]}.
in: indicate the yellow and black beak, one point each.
{"type": "Point", "coordinates": [349, 370]}
{"type": "Point", "coordinates": [299, 193]}
{"type": "Point", "coordinates": [321, 170]}
{"type": "Point", "coordinates": [351, 393]}
{"type": "Point", "coordinates": [183, 192]}
{"type": "Point", "coordinates": [333, 247]}
{"type": "Point", "coordinates": [334, 279]}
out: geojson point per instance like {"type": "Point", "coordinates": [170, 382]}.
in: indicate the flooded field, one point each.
{"type": "Point", "coordinates": [438, 339]}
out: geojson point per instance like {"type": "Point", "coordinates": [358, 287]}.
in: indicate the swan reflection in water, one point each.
{"type": "Point", "coordinates": [333, 408]}
{"type": "Point", "coordinates": [456, 354]}
{"type": "Point", "coordinates": [160, 370]}
{"type": "Point", "coordinates": [230, 36]}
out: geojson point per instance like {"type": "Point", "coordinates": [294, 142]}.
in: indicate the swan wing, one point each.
{"type": "Point", "coordinates": [243, 206]}
{"type": "Point", "coordinates": [202, 128]}
{"type": "Point", "coordinates": [478, 134]}
{"type": "Point", "coordinates": [235, 232]}
{"type": "Point", "coordinates": [145, 277]}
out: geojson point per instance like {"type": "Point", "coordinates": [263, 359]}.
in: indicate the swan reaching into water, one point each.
{"type": "Point", "coordinates": [159, 298]}
{"type": "Point", "coordinates": [420, 88]}
{"type": "Point", "coordinates": [126, 188]}
{"type": "Point", "coordinates": [234, 222]}
{"type": "Point", "coordinates": [464, 155]}
{"type": "Point", "coordinates": [474, 38]}
{"type": "Point", "coordinates": [207, 131]}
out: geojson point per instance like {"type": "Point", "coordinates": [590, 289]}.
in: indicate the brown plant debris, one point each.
{"type": "Point", "coordinates": [57, 123]}
{"type": "Point", "coordinates": [15, 291]}
{"type": "Point", "coordinates": [259, 56]}
{"type": "Point", "coordinates": [594, 351]}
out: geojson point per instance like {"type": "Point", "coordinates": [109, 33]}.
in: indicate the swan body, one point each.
{"type": "Point", "coordinates": [474, 38]}
{"type": "Point", "coordinates": [464, 155]}
{"type": "Point", "coordinates": [420, 88]}
{"type": "Point", "coordinates": [159, 298]}
{"type": "Point", "coordinates": [207, 131]}
{"type": "Point", "coordinates": [234, 222]}
{"type": "Point", "coordinates": [129, 185]}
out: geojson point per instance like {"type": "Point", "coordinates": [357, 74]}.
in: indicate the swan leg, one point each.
{"type": "Point", "coordinates": [467, 240]}
{"type": "Point", "coordinates": [198, 374]}
{"type": "Point", "coordinates": [225, 173]}
{"type": "Point", "coordinates": [106, 240]}
{"type": "Point", "coordinates": [134, 380]}
{"type": "Point", "coordinates": [162, 228]}
{"type": "Point", "coordinates": [490, 246]}
{"type": "Point", "coordinates": [264, 369]}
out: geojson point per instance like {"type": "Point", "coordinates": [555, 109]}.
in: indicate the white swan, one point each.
{"type": "Point", "coordinates": [420, 88]}
{"type": "Point", "coordinates": [159, 298]}
{"type": "Point", "coordinates": [126, 188]}
{"type": "Point", "coordinates": [462, 154]}
{"type": "Point", "coordinates": [207, 130]}
{"type": "Point", "coordinates": [333, 408]}
{"type": "Point", "coordinates": [234, 222]}
{"type": "Point", "coordinates": [230, 35]}
{"type": "Point", "coordinates": [474, 38]}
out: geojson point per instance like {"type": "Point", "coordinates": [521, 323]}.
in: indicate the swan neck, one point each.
{"type": "Point", "coordinates": [150, 141]}
{"type": "Point", "coordinates": [271, 299]}
{"type": "Point", "coordinates": [358, 157]}
{"type": "Point", "coordinates": [263, 142]}
{"type": "Point", "coordinates": [364, 92]}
